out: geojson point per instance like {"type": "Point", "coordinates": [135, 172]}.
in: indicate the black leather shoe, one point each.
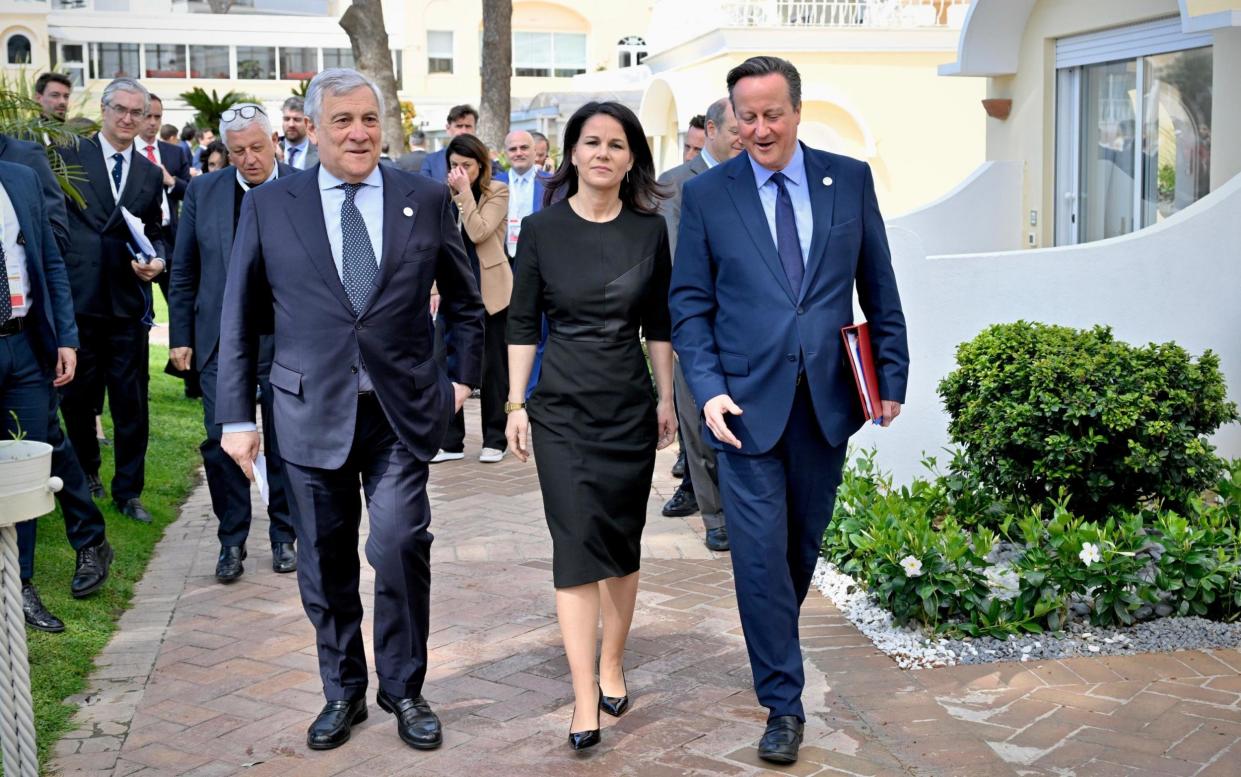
{"type": "Point", "coordinates": [681, 504]}
{"type": "Point", "coordinates": [717, 539]}
{"type": "Point", "coordinates": [335, 723]}
{"type": "Point", "coordinates": [96, 487]}
{"type": "Point", "coordinates": [615, 705]}
{"type": "Point", "coordinates": [283, 557]}
{"type": "Point", "coordinates": [678, 468]}
{"type": "Point", "coordinates": [416, 724]}
{"type": "Point", "coordinates": [92, 569]}
{"type": "Point", "coordinates": [37, 616]}
{"type": "Point", "coordinates": [229, 567]}
{"type": "Point", "coordinates": [580, 740]}
{"type": "Point", "coordinates": [133, 508]}
{"type": "Point", "coordinates": [781, 740]}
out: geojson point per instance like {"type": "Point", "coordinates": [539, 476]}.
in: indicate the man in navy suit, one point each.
{"type": "Point", "coordinates": [199, 270]}
{"type": "Point", "coordinates": [462, 120]}
{"type": "Point", "coordinates": [112, 291]}
{"type": "Point", "coordinates": [339, 261]}
{"type": "Point", "coordinates": [770, 248]}
{"type": "Point", "coordinates": [38, 344]}
{"type": "Point", "coordinates": [174, 163]}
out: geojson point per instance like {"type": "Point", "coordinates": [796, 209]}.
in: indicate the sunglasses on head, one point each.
{"type": "Point", "coordinates": [245, 112]}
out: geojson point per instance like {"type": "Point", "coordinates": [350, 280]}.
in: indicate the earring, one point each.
{"type": "Point", "coordinates": [626, 176]}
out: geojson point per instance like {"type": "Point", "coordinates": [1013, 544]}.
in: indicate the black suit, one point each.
{"type": "Point", "coordinates": [199, 270]}
{"type": "Point", "coordinates": [113, 307]}
{"type": "Point", "coordinates": [177, 163]}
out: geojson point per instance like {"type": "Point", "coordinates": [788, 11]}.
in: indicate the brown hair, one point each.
{"type": "Point", "coordinates": [473, 148]}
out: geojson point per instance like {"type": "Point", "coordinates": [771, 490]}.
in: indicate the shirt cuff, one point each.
{"type": "Point", "coordinates": [240, 426]}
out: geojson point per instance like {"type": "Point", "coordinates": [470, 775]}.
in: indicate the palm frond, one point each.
{"type": "Point", "coordinates": [22, 118]}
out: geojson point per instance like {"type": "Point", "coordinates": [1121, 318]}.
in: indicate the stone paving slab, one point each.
{"type": "Point", "coordinates": [204, 679]}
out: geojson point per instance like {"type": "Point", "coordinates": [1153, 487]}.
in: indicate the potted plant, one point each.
{"type": "Point", "coordinates": [26, 485]}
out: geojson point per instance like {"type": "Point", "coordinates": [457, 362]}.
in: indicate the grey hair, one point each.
{"type": "Point", "coordinates": [237, 123]}
{"type": "Point", "coordinates": [337, 81]}
{"type": "Point", "coordinates": [718, 110]}
{"type": "Point", "coordinates": [124, 84]}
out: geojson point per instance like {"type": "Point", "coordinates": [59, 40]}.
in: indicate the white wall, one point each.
{"type": "Point", "coordinates": [978, 215]}
{"type": "Point", "coordinates": [1179, 281]}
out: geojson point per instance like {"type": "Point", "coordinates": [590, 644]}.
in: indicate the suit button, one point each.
{"type": "Point", "coordinates": [354, 370]}
{"type": "Point", "coordinates": [790, 357]}
{"type": "Point", "coordinates": [358, 325]}
{"type": "Point", "coordinates": [800, 311]}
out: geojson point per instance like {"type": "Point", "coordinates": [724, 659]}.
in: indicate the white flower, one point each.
{"type": "Point", "coordinates": [1090, 553]}
{"type": "Point", "coordinates": [912, 566]}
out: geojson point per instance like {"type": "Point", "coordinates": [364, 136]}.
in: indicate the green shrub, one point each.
{"type": "Point", "coordinates": [1041, 409]}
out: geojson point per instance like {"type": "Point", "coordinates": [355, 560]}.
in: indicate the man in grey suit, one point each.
{"type": "Point", "coordinates": [199, 271]}
{"type": "Point", "coordinates": [700, 487]}
{"type": "Point", "coordinates": [411, 161]}
{"type": "Point", "coordinates": [300, 151]}
{"type": "Point", "coordinates": [339, 262]}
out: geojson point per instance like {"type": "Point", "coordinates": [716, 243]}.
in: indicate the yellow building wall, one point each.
{"type": "Point", "coordinates": [33, 26]}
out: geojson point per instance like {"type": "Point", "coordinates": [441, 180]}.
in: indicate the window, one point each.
{"type": "Point", "coordinates": [544, 54]}
{"type": "Point", "coordinates": [18, 49]}
{"type": "Point", "coordinates": [256, 62]}
{"type": "Point", "coordinates": [110, 60]}
{"type": "Point", "coordinates": [72, 61]}
{"type": "Point", "coordinates": [299, 64]}
{"type": "Point", "coordinates": [1133, 129]}
{"type": "Point", "coordinates": [632, 51]}
{"type": "Point", "coordinates": [337, 58]}
{"type": "Point", "coordinates": [439, 51]}
{"type": "Point", "coordinates": [209, 62]}
{"type": "Point", "coordinates": [165, 60]}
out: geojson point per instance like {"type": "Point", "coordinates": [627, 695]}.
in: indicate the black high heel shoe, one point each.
{"type": "Point", "coordinates": [615, 705]}
{"type": "Point", "coordinates": [581, 740]}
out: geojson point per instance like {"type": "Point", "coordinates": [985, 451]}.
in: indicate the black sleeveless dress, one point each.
{"type": "Point", "coordinates": [593, 412]}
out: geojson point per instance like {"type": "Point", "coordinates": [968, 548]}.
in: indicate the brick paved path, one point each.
{"type": "Point", "coordinates": [204, 679]}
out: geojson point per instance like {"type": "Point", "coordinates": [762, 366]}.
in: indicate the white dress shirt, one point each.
{"type": "Point", "coordinates": [109, 162]}
{"type": "Point", "coordinates": [799, 193]}
{"type": "Point", "coordinates": [14, 255]}
{"type": "Point", "coordinates": [245, 187]}
{"type": "Point", "coordinates": [370, 202]}
{"type": "Point", "coordinates": [165, 210]}
{"type": "Point", "coordinates": [520, 205]}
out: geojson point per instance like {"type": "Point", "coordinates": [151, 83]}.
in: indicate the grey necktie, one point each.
{"type": "Point", "coordinates": [358, 266]}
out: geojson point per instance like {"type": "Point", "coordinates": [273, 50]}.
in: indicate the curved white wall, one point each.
{"type": "Point", "coordinates": [979, 215]}
{"type": "Point", "coordinates": [1179, 280]}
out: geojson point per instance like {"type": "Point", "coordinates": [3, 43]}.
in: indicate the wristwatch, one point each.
{"type": "Point", "coordinates": [511, 406]}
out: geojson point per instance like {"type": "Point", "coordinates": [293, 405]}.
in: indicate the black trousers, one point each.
{"type": "Point", "coordinates": [113, 354]}
{"type": "Point", "coordinates": [228, 485]}
{"type": "Point", "coordinates": [329, 511]}
{"type": "Point", "coordinates": [494, 390]}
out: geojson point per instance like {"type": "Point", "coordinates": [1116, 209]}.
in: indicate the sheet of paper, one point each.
{"type": "Point", "coordinates": [855, 355]}
{"type": "Point", "coordinates": [260, 478]}
{"type": "Point", "coordinates": [138, 233]}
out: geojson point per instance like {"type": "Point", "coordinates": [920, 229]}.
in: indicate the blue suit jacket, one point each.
{"type": "Point", "coordinates": [739, 329]}
{"type": "Point", "coordinates": [50, 318]}
{"type": "Point", "coordinates": [34, 156]}
{"type": "Point", "coordinates": [281, 270]}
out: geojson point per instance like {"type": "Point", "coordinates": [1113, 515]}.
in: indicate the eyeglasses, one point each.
{"type": "Point", "coordinates": [244, 111]}
{"type": "Point", "coordinates": [136, 114]}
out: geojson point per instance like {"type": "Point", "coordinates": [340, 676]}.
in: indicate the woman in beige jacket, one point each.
{"type": "Point", "coordinates": [482, 208]}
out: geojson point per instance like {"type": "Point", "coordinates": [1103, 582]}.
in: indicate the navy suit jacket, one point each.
{"type": "Point", "coordinates": [50, 318]}
{"type": "Point", "coordinates": [98, 258]}
{"type": "Point", "coordinates": [200, 263]}
{"type": "Point", "coordinates": [739, 329]}
{"type": "Point", "coordinates": [34, 156]}
{"type": "Point", "coordinates": [282, 269]}
{"type": "Point", "coordinates": [177, 163]}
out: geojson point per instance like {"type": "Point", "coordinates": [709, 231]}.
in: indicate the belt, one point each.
{"type": "Point", "coordinates": [12, 326]}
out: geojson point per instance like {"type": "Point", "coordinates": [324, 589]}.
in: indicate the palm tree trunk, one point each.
{"type": "Point", "coordinates": [364, 22]}
{"type": "Point", "coordinates": [497, 73]}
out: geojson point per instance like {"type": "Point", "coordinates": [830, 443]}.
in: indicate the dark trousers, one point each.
{"type": "Point", "coordinates": [113, 353]}
{"type": "Point", "coordinates": [84, 524]}
{"type": "Point", "coordinates": [494, 390]}
{"type": "Point", "coordinates": [329, 511]}
{"type": "Point", "coordinates": [228, 485]}
{"type": "Point", "coordinates": [24, 386]}
{"type": "Point", "coordinates": [701, 472]}
{"type": "Point", "coordinates": [777, 506]}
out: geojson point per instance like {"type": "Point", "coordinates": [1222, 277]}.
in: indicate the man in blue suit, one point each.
{"type": "Point", "coordinates": [525, 196]}
{"type": "Point", "coordinates": [770, 248]}
{"type": "Point", "coordinates": [339, 261]}
{"type": "Point", "coordinates": [462, 120]}
{"type": "Point", "coordinates": [38, 353]}
{"type": "Point", "coordinates": [199, 271]}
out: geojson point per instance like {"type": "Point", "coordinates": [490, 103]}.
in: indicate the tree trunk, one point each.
{"type": "Point", "coordinates": [496, 105]}
{"type": "Point", "coordinates": [364, 22]}
{"type": "Point", "coordinates": [220, 6]}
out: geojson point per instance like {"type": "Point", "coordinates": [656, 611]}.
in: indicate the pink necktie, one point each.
{"type": "Point", "coordinates": [151, 154]}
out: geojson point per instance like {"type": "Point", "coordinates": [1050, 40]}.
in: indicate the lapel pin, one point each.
{"type": "Point", "coordinates": [408, 211]}
{"type": "Point", "coordinates": [827, 181]}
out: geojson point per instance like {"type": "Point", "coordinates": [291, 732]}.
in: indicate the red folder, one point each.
{"type": "Point", "coordinates": [862, 360]}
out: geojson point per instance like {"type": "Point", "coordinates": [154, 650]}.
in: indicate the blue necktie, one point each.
{"type": "Point", "coordinates": [6, 301]}
{"type": "Point", "coordinates": [358, 268]}
{"type": "Point", "coordinates": [788, 244]}
{"type": "Point", "coordinates": [292, 156]}
{"type": "Point", "coordinates": [116, 170]}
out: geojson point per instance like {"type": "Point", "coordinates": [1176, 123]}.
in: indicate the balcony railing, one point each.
{"type": "Point", "coordinates": [844, 13]}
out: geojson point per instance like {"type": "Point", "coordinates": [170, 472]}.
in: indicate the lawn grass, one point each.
{"type": "Point", "coordinates": [60, 663]}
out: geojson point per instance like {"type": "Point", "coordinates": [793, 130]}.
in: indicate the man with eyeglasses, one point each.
{"type": "Point", "coordinates": [199, 271]}
{"type": "Point", "coordinates": [111, 282]}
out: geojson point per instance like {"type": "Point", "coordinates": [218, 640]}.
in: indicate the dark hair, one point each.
{"type": "Point", "coordinates": [215, 146]}
{"type": "Point", "coordinates": [762, 66]}
{"type": "Point", "coordinates": [639, 191]}
{"type": "Point", "coordinates": [189, 132]}
{"type": "Point", "coordinates": [539, 136]}
{"type": "Point", "coordinates": [167, 132]}
{"type": "Point", "coordinates": [294, 103]}
{"type": "Point", "coordinates": [459, 112]}
{"type": "Point", "coordinates": [698, 122]}
{"type": "Point", "coordinates": [51, 78]}
{"type": "Point", "coordinates": [473, 148]}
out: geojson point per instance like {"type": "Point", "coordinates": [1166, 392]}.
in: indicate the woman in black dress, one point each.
{"type": "Point", "coordinates": [597, 265]}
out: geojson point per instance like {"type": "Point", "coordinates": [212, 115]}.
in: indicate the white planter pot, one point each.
{"type": "Point", "coordinates": [26, 485]}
